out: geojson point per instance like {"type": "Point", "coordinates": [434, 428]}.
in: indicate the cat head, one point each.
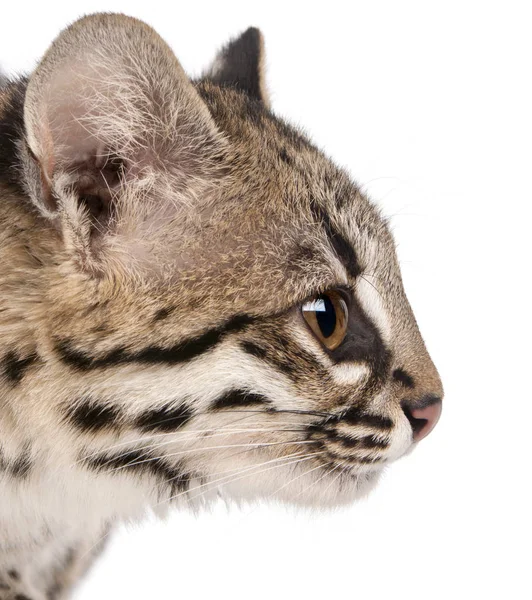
{"type": "Point", "coordinates": [218, 288]}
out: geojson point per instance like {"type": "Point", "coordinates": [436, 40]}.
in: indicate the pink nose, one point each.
{"type": "Point", "coordinates": [424, 419]}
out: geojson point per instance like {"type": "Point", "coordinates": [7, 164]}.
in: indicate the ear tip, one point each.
{"type": "Point", "coordinates": [253, 35]}
{"type": "Point", "coordinates": [253, 31]}
{"type": "Point", "coordinates": [240, 65]}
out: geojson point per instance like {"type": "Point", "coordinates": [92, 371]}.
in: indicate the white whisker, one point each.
{"type": "Point", "coordinates": [251, 446]}
{"type": "Point", "coordinates": [236, 477]}
{"type": "Point", "coordinates": [177, 436]}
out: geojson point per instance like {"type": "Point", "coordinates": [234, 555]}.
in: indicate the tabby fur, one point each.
{"type": "Point", "coordinates": [158, 237]}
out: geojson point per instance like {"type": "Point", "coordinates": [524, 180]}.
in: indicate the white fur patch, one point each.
{"type": "Point", "coordinates": [350, 373]}
{"type": "Point", "coordinates": [367, 293]}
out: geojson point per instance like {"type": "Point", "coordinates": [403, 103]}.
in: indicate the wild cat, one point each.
{"type": "Point", "coordinates": [194, 302]}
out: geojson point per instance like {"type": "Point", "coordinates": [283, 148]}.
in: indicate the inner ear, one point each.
{"type": "Point", "coordinates": [96, 182]}
{"type": "Point", "coordinates": [119, 136]}
{"type": "Point", "coordinates": [240, 65]}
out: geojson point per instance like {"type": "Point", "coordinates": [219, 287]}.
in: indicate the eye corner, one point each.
{"type": "Point", "coordinates": [346, 293]}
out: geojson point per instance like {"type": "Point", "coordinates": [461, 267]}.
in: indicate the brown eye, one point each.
{"type": "Point", "coordinates": [326, 314]}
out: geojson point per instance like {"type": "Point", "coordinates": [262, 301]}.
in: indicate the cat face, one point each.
{"type": "Point", "coordinates": [224, 307]}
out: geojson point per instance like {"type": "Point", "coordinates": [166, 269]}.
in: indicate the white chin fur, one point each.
{"type": "Point", "coordinates": [303, 492]}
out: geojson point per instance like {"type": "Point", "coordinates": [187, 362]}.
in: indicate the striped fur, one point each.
{"type": "Point", "coordinates": [158, 237]}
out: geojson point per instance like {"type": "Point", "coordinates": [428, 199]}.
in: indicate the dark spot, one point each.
{"type": "Point", "coordinates": [15, 366]}
{"type": "Point", "coordinates": [237, 398]}
{"type": "Point", "coordinates": [166, 418]}
{"type": "Point", "coordinates": [68, 561]}
{"type": "Point", "coordinates": [92, 416]}
{"type": "Point", "coordinates": [54, 590]}
{"type": "Point", "coordinates": [22, 597]}
{"type": "Point", "coordinates": [162, 313]}
{"type": "Point", "coordinates": [92, 307]}
{"type": "Point", "coordinates": [18, 468]}
{"type": "Point", "coordinates": [285, 157]}
{"type": "Point", "coordinates": [14, 574]}
{"type": "Point", "coordinates": [21, 467]}
{"type": "Point", "coordinates": [403, 377]}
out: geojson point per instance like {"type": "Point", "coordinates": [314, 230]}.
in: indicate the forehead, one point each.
{"type": "Point", "coordinates": [285, 222]}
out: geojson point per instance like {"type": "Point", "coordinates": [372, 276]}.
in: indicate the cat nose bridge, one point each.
{"type": "Point", "coordinates": [417, 375]}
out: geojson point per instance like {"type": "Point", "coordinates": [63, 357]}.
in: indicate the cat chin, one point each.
{"type": "Point", "coordinates": [317, 495]}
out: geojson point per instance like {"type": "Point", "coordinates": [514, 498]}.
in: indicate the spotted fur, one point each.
{"type": "Point", "coordinates": [158, 237]}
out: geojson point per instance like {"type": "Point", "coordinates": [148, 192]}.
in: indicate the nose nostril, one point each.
{"type": "Point", "coordinates": [416, 424]}
{"type": "Point", "coordinates": [423, 416]}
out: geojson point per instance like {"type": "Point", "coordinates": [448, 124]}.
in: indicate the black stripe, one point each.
{"type": "Point", "coordinates": [141, 463]}
{"type": "Point", "coordinates": [363, 343]}
{"type": "Point", "coordinates": [254, 349]}
{"type": "Point", "coordinates": [322, 432]}
{"type": "Point", "coordinates": [287, 360]}
{"type": "Point", "coordinates": [366, 442]}
{"type": "Point", "coordinates": [14, 366]}
{"type": "Point", "coordinates": [92, 416]}
{"type": "Point", "coordinates": [340, 244]}
{"type": "Point", "coordinates": [166, 418]}
{"type": "Point", "coordinates": [151, 355]}
{"type": "Point", "coordinates": [355, 416]}
{"type": "Point", "coordinates": [236, 398]}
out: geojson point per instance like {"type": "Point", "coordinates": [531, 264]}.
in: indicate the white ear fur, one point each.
{"type": "Point", "coordinates": [117, 131]}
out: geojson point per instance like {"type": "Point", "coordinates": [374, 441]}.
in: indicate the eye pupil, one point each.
{"type": "Point", "coordinates": [326, 316]}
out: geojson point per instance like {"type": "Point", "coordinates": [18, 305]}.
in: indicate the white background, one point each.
{"type": "Point", "coordinates": [429, 106]}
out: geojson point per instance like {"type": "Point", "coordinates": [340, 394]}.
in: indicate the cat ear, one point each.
{"type": "Point", "coordinates": [117, 133]}
{"type": "Point", "coordinates": [240, 64]}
